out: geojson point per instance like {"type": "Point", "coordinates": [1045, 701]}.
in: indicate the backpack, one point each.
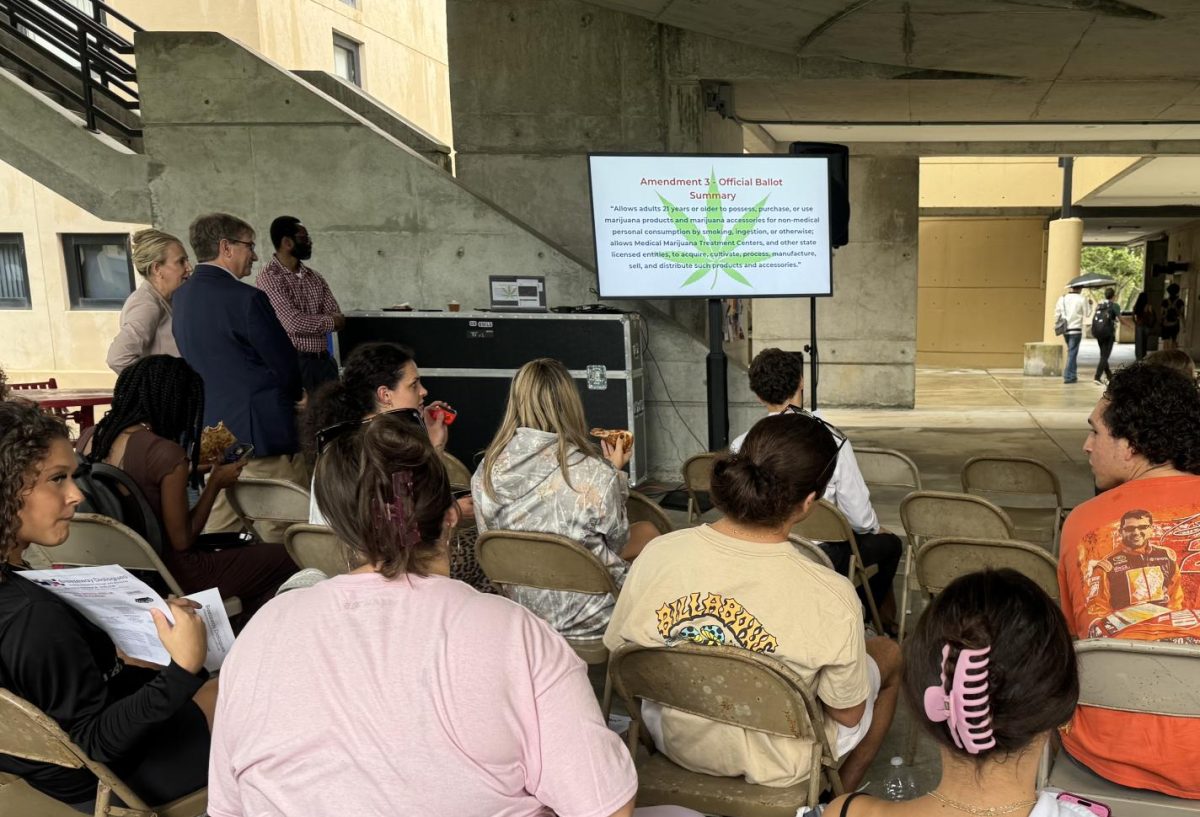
{"type": "Point", "coordinates": [1102, 322]}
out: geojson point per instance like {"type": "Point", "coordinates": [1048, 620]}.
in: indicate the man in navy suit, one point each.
{"type": "Point", "coordinates": [228, 332]}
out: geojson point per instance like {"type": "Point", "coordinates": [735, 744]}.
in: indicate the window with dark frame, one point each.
{"type": "Point", "coordinates": [347, 62]}
{"type": "Point", "coordinates": [99, 270]}
{"type": "Point", "coordinates": [14, 272]}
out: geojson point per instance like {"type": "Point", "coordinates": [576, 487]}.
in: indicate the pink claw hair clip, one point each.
{"type": "Point", "coordinates": [966, 701]}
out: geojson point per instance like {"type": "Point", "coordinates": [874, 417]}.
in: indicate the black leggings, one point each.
{"type": "Point", "coordinates": [882, 549]}
{"type": "Point", "coordinates": [173, 764]}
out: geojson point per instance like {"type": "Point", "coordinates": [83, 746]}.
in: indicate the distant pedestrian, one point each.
{"type": "Point", "coordinates": [1172, 318]}
{"type": "Point", "coordinates": [1070, 312]}
{"type": "Point", "coordinates": [1105, 320]}
{"type": "Point", "coordinates": [1145, 323]}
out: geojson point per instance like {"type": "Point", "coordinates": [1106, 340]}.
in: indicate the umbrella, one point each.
{"type": "Point", "coordinates": [1091, 280]}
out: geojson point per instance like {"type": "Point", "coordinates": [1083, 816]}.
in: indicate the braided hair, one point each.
{"type": "Point", "coordinates": [163, 392]}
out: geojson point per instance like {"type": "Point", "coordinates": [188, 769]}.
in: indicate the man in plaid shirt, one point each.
{"type": "Point", "coordinates": [302, 300]}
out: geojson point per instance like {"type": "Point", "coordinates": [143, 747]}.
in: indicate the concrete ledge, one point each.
{"type": "Point", "coordinates": [1044, 359]}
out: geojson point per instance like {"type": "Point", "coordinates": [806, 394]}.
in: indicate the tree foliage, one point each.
{"type": "Point", "coordinates": [1123, 264]}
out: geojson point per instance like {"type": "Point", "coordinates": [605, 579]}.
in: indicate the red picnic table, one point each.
{"type": "Point", "coordinates": [85, 399]}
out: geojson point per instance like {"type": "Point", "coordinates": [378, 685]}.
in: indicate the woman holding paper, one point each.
{"type": "Point", "coordinates": [150, 725]}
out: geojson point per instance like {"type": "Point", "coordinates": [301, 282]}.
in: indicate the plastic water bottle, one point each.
{"type": "Point", "coordinates": [901, 785]}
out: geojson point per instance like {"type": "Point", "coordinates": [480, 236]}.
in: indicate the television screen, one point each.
{"type": "Point", "coordinates": [697, 226]}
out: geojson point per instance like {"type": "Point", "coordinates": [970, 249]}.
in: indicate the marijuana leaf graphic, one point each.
{"type": "Point", "coordinates": [714, 248]}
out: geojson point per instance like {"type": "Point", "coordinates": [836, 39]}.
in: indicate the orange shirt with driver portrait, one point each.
{"type": "Point", "coordinates": [1130, 568]}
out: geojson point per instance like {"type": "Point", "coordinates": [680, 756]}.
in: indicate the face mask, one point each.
{"type": "Point", "coordinates": [302, 252]}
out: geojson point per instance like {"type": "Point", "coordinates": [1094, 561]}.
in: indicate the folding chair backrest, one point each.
{"type": "Point", "coordinates": [316, 546]}
{"type": "Point", "coordinates": [1139, 676]}
{"type": "Point", "coordinates": [456, 472]}
{"type": "Point", "coordinates": [934, 514]}
{"type": "Point", "coordinates": [724, 684]}
{"type": "Point", "coordinates": [268, 500]}
{"type": "Point", "coordinates": [27, 732]}
{"type": "Point", "coordinates": [824, 524]}
{"type": "Point", "coordinates": [1002, 477]}
{"type": "Point", "coordinates": [697, 471]}
{"type": "Point", "coordinates": [98, 540]}
{"type": "Point", "coordinates": [135, 511]}
{"type": "Point", "coordinates": [542, 560]}
{"type": "Point", "coordinates": [810, 551]}
{"type": "Point", "coordinates": [884, 467]}
{"type": "Point", "coordinates": [941, 561]}
{"type": "Point", "coordinates": [640, 508]}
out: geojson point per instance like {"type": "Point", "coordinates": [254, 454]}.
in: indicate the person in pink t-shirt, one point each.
{"type": "Point", "coordinates": [395, 690]}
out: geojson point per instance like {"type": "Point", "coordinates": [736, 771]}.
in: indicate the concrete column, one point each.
{"type": "Point", "coordinates": [1064, 251]}
{"type": "Point", "coordinates": [867, 332]}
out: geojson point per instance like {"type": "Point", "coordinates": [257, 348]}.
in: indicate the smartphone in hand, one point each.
{"type": "Point", "coordinates": [236, 452]}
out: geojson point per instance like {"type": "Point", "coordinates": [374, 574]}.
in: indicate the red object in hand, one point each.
{"type": "Point", "coordinates": [445, 413]}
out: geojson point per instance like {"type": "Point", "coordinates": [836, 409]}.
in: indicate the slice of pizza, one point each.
{"type": "Point", "coordinates": [214, 442]}
{"type": "Point", "coordinates": [619, 438]}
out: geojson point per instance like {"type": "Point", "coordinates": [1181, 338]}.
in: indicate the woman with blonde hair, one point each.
{"type": "Point", "coordinates": [543, 473]}
{"type": "Point", "coordinates": [145, 324]}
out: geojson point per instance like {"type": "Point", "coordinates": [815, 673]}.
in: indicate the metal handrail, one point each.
{"type": "Point", "coordinates": [82, 45]}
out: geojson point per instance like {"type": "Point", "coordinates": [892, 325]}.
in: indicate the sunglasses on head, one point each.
{"type": "Point", "coordinates": [330, 433]}
{"type": "Point", "coordinates": [838, 436]}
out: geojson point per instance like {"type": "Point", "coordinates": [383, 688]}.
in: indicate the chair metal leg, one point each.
{"type": "Point", "coordinates": [866, 586]}
{"type": "Point", "coordinates": [907, 595]}
{"type": "Point", "coordinates": [606, 697]}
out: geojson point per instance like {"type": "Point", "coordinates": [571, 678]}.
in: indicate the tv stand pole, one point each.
{"type": "Point", "coordinates": [814, 356]}
{"type": "Point", "coordinates": [718, 396]}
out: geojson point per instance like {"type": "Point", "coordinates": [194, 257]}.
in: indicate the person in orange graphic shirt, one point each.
{"type": "Point", "coordinates": [1125, 565]}
{"type": "Point", "coordinates": [1136, 572]}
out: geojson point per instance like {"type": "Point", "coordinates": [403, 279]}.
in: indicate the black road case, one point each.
{"type": "Point", "coordinates": [468, 360]}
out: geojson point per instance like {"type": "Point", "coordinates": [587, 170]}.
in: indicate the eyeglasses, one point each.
{"type": "Point", "coordinates": [838, 436]}
{"type": "Point", "coordinates": [330, 433]}
{"type": "Point", "coordinates": [249, 244]}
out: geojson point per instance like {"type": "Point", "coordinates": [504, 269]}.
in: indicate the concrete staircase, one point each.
{"type": "Point", "coordinates": [226, 129]}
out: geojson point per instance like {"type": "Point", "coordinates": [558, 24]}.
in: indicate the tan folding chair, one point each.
{"type": "Point", "coordinates": [811, 551]}
{"type": "Point", "coordinates": [316, 546]}
{"type": "Point", "coordinates": [941, 561]}
{"type": "Point", "coordinates": [640, 508]}
{"type": "Point", "coordinates": [268, 507]}
{"type": "Point", "coordinates": [827, 524]}
{"type": "Point", "coordinates": [1026, 489]}
{"type": "Point", "coordinates": [936, 514]}
{"type": "Point", "coordinates": [550, 562]}
{"type": "Point", "coordinates": [97, 540]}
{"type": "Point", "coordinates": [28, 733]}
{"type": "Point", "coordinates": [1131, 676]}
{"type": "Point", "coordinates": [731, 686]}
{"type": "Point", "coordinates": [887, 468]}
{"type": "Point", "coordinates": [697, 474]}
{"type": "Point", "coordinates": [456, 472]}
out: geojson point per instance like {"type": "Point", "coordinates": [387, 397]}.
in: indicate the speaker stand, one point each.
{"type": "Point", "coordinates": [718, 391]}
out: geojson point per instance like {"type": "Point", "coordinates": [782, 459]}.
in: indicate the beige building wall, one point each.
{"type": "Point", "coordinates": [1012, 181]}
{"type": "Point", "coordinates": [980, 285]}
{"type": "Point", "coordinates": [404, 66]}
